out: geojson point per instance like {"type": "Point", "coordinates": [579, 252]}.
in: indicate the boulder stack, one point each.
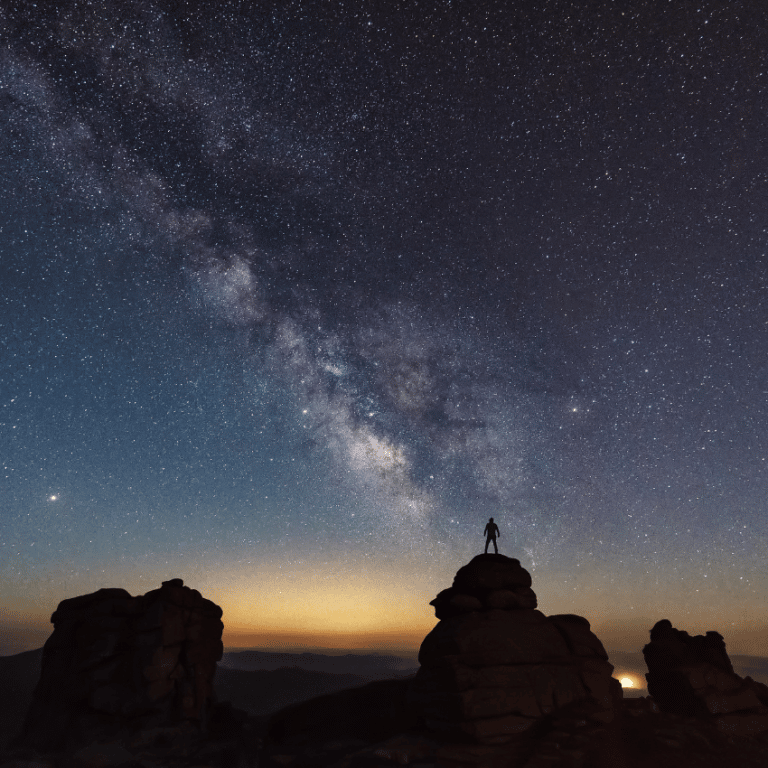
{"type": "Point", "coordinates": [494, 665]}
{"type": "Point", "coordinates": [693, 676]}
{"type": "Point", "coordinates": [115, 665]}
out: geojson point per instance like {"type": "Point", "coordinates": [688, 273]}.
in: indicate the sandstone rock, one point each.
{"type": "Point", "coordinates": [577, 634]}
{"type": "Point", "coordinates": [510, 599]}
{"type": "Point", "coordinates": [465, 603]}
{"type": "Point", "coordinates": [493, 666]}
{"type": "Point", "coordinates": [693, 676]}
{"type": "Point", "coordinates": [596, 676]}
{"type": "Point", "coordinates": [116, 663]}
{"type": "Point", "coordinates": [704, 648]}
{"type": "Point", "coordinates": [494, 637]}
{"type": "Point", "coordinates": [485, 573]}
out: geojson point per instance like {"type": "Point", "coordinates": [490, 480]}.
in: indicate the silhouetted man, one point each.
{"type": "Point", "coordinates": [491, 532]}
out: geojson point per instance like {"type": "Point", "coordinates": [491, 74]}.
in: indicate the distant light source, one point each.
{"type": "Point", "coordinates": [627, 682]}
{"type": "Point", "coordinates": [53, 498]}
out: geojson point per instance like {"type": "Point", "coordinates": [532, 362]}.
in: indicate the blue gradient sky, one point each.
{"type": "Point", "coordinates": [293, 299]}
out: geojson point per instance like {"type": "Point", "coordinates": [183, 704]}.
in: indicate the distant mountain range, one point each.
{"type": "Point", "coordinates": [261, 682]}
{"type": "Point", "coordinates": [379, 665]}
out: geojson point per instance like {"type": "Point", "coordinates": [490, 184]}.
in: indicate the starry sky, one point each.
{"type": "Point", "coordinates": [295, 296]}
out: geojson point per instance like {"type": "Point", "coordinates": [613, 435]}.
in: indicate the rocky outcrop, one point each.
{"type": "Point", "coordinates": [494, 665]}
{"type": "Point", "coordinates": [693, 676]}
{"type": "Point", "coordinates": [116, 665]}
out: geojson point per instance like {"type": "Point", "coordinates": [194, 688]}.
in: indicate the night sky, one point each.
{"type": "Point", "coordinates": [294, 298]}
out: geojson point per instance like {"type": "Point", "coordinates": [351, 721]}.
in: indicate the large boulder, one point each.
{"type": "Point", "coordinates": [494, 665]}
{"type": "Point", "coordinates": [116, 664]}
{"type": "Point", "coordinates": [693, 676]}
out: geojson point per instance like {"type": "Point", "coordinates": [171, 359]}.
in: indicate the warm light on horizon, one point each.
{"type": "Point", "coordinates": [630, 681]}
{"type": "Point", "coordinates": [340, 603]}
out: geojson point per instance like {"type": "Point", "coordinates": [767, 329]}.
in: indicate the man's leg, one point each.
{"type": "Point", "coordinates": [494, 545]}
{"type": "Point", "coordinates": [487, 542]}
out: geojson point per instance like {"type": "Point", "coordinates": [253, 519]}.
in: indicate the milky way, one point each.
{"type": "Point", "coordinates": [323, 286]}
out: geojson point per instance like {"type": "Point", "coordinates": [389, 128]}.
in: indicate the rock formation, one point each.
{"type": "Point", "coordinates": [116, 665]}
{"type": "Point", "coordinates": [494, 665]}
{"type": "Point", "coordinates": [693, 676]}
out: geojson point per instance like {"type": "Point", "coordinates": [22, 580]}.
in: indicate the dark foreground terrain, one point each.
{"type": "Point", "coordinates": [349, 730]}
{"type": "Point", "coordinates": [371, 725]}
{"type": "Point", "coordinates": [350, 712]}
{"type": "Point", "coordinates": [258, 683]}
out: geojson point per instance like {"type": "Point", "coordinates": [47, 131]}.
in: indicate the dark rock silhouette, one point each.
{"type": "Point", "coordinates": [494, 665]}
{"type": "Point", "coordinates": [693, 676]}
{"type": "Point", "coordinates": [117, 664]}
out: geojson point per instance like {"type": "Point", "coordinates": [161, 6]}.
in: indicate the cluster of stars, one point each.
{"type": "Point", "coordinates": [389, 273]}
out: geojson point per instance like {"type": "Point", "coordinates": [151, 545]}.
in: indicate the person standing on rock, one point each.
{"type": "Point", "coordinates": [491, 532]}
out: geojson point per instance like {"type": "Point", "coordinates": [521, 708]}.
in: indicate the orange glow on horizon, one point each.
{"type": "Point", "coordinates": [402, 642]}
{"type": "Point", "coordinates": [629, 680]}
{"type": "Point", "coordinates": [341, 603]}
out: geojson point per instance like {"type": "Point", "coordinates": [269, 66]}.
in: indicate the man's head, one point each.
{"type": "Point", "coordinates": [490, 520]}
